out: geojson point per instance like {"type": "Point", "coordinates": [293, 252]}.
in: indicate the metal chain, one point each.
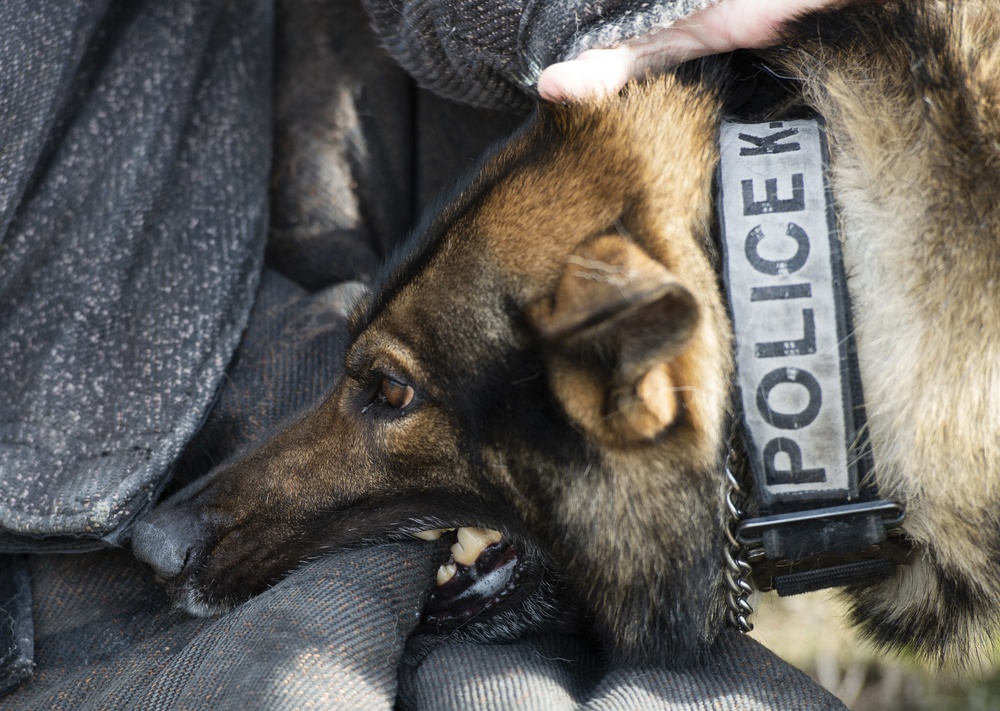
{"type": "Point", "coordinates": [737, 571]}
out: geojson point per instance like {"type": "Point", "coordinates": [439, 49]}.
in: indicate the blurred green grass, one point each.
{"type": "Point", "coordinates": [808, 631]}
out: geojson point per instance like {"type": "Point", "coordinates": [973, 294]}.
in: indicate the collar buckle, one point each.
{"type": "Point", "coordinates": [833, 546]}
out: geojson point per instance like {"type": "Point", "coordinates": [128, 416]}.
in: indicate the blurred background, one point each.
{"type": "Point", "coordinates": [807, 631]}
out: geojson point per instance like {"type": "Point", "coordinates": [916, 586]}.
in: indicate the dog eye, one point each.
{"type": "Point", "coordinates": [396, 394]}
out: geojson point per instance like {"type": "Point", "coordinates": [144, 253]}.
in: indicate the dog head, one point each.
{"type": "Point", "coordinates": [547, 357]}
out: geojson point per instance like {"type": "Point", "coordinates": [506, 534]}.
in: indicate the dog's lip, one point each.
{"type": "Point", "coordinates": [472, 588]}
{"type": "Point", "coordinates": [431, 534]}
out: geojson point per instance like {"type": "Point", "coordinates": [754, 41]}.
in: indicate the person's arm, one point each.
{"type": "Point", "coordinates": [729, 25]}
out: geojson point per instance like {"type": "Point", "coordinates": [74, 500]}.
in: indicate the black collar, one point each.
{"type": "Point", "coordinates": [819, 521]}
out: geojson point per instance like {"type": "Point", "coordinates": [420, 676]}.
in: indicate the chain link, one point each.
{"type": "Point", "coordinates": [737, 570]}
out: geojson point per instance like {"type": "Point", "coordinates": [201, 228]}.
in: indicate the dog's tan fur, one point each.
{"type": "Point", "coordinates": [563, 331]}
{"type": "Point", "coordinates": [916, 161]}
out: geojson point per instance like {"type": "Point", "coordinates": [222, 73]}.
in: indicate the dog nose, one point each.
{"type": "Point", "coordinates": [164, 544]}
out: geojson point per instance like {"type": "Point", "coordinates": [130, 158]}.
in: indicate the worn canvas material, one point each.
{"type": "Point", "coordinates": [133, 203]}
{"type": "Point", "coordinates": [17, 635]}
{"type": "Point", "coordinates": [332, 636]}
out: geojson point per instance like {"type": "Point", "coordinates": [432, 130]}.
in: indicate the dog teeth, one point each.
{"type": "Point", "coordinates": [471, 542]}
{"type": "Point", "coordinates": [431, 535]}
{"type": "Point", "coordinates": [446, 572]}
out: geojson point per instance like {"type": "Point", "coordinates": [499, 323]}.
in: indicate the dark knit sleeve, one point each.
{"type": "Point", "coordinates": [490, 53]}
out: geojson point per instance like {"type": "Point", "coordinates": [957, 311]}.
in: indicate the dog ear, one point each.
{"type": "Point", "coordinates": [613, 329]}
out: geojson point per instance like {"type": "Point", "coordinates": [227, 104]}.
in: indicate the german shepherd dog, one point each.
{"type": "Point", "coordinates": [547, 363]}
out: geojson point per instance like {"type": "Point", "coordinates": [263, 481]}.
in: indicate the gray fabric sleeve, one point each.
{"type": "Point", "coordinates": [133, 204]}
{"type": "Point", "coordinates": [17, 640]}
{"type": "Point", "coordinates": [490, 54]}
{"type": "Point", "coordinates": [332, 635]}
{"type": "Point", "coordinates": [565, 673]}
{"type": "Point", "coordinates": [329, 636]}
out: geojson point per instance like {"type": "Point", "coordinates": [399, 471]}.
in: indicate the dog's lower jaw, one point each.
{"type": "Point", "coordinates": [539, 601]}
{"type": "Point", "coordinates": [670, 617]}
{"type": "Point", "coordinates": [651, 579]}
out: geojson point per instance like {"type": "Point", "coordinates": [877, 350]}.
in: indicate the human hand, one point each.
{"type": "Point", "coordinates": [728, 25]}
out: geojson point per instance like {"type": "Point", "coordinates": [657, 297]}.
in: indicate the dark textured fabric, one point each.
{"type": "Point", "coordinates": [490, 54]}
{"type": "Point", "coordinates": [17, 641]}
{"type": "Point", "coordinates": [132, 217]}
{"type": "Point", "coordinates": [329, 636]}
{"type": "Point", "coordinates": [564, 673]}
{"type": "Point", "coordinates": [359, 152]}
{"type": "Point", "coordinates": [343, 141]}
